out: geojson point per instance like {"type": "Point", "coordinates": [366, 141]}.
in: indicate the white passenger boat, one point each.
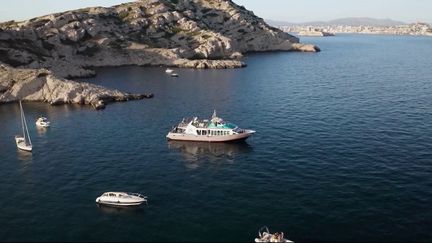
{"type": "Point", "coordinates": [42, 122]}
{"type": "Point", "coordinates": [168, 70]}
{"type": "Point", "coordinates": [265, 236]}
{"type": "Point", "coordinates": [174, 75]}
{"type": "Point", "coordinates": [121, 199]}
{"type": "Point", "coordinates": [23, 142]}
{"type": "Point", "coordinates": [215, 130]}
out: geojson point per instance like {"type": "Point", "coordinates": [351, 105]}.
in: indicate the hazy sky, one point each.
{"type": "Point", "coordinates": [289, 10]}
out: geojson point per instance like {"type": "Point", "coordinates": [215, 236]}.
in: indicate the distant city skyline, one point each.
{"type": "Point", "coordinates": [281, 10]}
{"type": "Point", "coordinates": [325, 10]}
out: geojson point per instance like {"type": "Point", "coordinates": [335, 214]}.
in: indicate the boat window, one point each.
{"type": "Point", "coordinates": [204, 132]}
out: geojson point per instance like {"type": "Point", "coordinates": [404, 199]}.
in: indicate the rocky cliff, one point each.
{"type": "Point", "coordinates": [183, 33]}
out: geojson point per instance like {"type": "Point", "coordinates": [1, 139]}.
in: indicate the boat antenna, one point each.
{"type": "Point", "coordinates": [214, 114]}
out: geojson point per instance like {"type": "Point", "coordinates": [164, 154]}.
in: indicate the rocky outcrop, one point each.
{"type": "Point", "coordinates": [182, 33]}
{"type": "Point", "coordinates": [41, 85]}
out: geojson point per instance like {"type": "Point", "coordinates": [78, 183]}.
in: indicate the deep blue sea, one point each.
{"type": "Point", "coordinates": [343, 151]}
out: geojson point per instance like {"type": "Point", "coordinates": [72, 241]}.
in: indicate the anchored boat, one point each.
{"type": "Point", "coordinates": [215, 130]}
{"type": "Point", "coordinates": [42, 122]}
{"type": "Point", "coordinates": [265, 236]}
{"type": "Point", "coordinates": [168, 70]}
{"type": "Point", "coordinates": [121, 199]}
{"type": "Point", "coordinates": [23, 142]}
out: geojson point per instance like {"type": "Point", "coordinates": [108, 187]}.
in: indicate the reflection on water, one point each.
{"type": "Point", "coordinates": [119, 210]}
{"type": "Point", "coordinates": [195, 152]}
{"type": "Point", "coordinates": [25, 157]}
{"type": "Point", "coordinates": [41, 130]}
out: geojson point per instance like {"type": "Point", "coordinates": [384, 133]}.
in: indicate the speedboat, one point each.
{"type": "Point", "coordinates": [168, 70]}
{"type": "Point", "coordinates": [265, 236]}
{"type": "Point", "coordinates": [174, 75]}
{"type": "Point", "coordinates": [215, 130]}
{"type": "Point", "coordinates": [42, 122]}
{"type": "Point", "coordinates": [121, 199]}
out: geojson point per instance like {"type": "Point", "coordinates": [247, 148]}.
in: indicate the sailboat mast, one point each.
{"type": "Point", "coordinates": [25, 124]}
{"type": "Point", "coordinates": [28, 135]}
{"type": "Point", "coordinates": [22, 120]}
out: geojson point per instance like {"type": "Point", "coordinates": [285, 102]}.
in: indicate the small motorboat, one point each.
{"type": "Point", "coordinates": [121, 199]}
{"type": "Point", "coordinates": [174, 75]}
{"type": "Point", "coordinates": [42, 122]}
{"type": "Point", "coordinates": [168, 70]}
{"type": "Point", "coordinates": [265, 236]}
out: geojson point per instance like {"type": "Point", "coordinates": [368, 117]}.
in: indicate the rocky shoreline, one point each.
{"type": "Point", "coordinates": [41, 53]}
{"type": "Point", "coordinates": [42, 86]}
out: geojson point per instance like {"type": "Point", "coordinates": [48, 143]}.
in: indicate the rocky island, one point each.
{"type": "Point", "coordinates": [40, 55]}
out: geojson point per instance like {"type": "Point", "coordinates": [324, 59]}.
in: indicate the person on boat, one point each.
{"type": "Point", "coordinates": [275, 237]}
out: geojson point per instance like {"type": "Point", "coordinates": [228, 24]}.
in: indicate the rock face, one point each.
{"type": "Point", "coordinates": [42, 85]}
{"type": "Point", "coordinates": [182, 33]}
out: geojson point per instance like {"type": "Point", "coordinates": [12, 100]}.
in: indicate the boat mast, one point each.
{"type": "Point", "coordinates": [25, 124]}
{"type": "Point", "coordinates": [22, 121]}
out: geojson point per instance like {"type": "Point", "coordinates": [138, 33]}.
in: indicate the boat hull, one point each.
{"type": "Point", "coordinates": [42, 124]}
{"type": "Point", "coordinates": [118, 203]}
{"type": "Point", "coordinates": [211, 139]}
{"type": "Point", "coordinates": [21, 144]}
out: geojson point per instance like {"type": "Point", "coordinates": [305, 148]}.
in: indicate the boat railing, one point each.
{"type": "Point", "coordinates": [137, 194]}
{"type": "Point", "coordinates": [239, 130]}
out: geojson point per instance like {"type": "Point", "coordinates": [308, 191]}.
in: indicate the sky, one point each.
{"type": "Point", "coordinates": [284, 10]}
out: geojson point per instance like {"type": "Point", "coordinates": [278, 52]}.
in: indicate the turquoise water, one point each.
{"type": "Point", "coordinates": [343, 152]}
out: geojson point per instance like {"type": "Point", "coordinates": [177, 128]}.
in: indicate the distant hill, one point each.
{"type": "Point", "coordinates": [342, 21]}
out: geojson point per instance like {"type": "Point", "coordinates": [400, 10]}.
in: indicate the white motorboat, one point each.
{"type": "Point", "coordinates": [23, 142]}
{"type": "Point", "coordinates": [174, 75]}
{"type": "Point", "coordinates": [265, 236]}
{"type": "Point", "coordinates": [215, 130]}
{"type": "Point", "coordinates": [42, 122]}
{"type": "Point", "coordinates": [168, 70]}
{"type": "Point", "coordinates": [121, 199]}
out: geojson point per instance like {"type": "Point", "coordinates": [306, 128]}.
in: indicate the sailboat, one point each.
{"type": "Point", "coordinates": [21, 141]}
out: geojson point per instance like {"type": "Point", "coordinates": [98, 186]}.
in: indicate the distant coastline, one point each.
{"type": "Point", "coordinates": [356, 25]}
{"type": "Point", "coordinates": [417, 29]}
